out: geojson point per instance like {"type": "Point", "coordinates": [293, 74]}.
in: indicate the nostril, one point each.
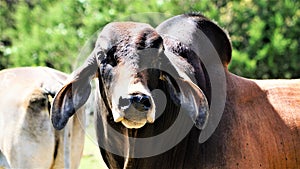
{"type": "Point", "coordinates": [145, 100]}
{"type": "Point", "coordinates": [141, 102]}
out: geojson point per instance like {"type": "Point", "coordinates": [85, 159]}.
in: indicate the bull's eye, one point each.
{"type": "Point", "coordinates": [111, 57]}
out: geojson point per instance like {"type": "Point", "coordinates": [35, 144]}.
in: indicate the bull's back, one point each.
{"type": "Point", "coordinates": [284, 96]}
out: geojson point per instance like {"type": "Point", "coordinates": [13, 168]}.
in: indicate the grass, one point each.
{"type": "Point", "coordinates": [91, 158]}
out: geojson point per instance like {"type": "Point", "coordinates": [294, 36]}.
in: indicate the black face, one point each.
{"type": "Point", "coordinates": [128, 73]}
{"type": "Point", "coordinates": [132, 59]}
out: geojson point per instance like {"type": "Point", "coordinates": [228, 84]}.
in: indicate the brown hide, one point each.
{"type": "Point", "coordinates": [260, 125]}
{"type": "Point", "coordinates": [259, 129]}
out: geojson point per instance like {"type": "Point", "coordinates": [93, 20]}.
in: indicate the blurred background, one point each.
{"type": "Point", "coordinates": [265, 34]}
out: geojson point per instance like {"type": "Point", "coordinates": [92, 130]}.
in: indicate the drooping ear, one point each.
{"type": "Point", "coordinates": [191, 98]}
{"type": "Point", "coordinates": [192, 31]}
{"type": "Point", "coordinates": [74, 94]}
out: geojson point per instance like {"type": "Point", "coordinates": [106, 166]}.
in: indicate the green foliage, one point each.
{"type": "Point", "coordinates": [265, 35]}
{"type": "Point", "coordinates": [268, 34]}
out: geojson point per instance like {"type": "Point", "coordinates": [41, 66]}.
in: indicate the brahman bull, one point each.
{"type": "Point", "coordinates": [27, 137]}
{"type": "Point", "coordinates": [135, 63]}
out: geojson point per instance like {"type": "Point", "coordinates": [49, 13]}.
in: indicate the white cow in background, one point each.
{"type": "Point", "coordinates": [27, 137]}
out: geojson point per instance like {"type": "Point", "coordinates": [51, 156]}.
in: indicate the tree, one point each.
{"type": "Point", "coordinates": [265, 36]}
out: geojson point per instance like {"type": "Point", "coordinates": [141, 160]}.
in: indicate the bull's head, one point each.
{"type": "Point", "coordinates": [129, 60]}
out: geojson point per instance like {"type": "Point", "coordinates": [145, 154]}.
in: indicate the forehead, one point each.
{"type": "Point", "coordinates": [121, 29]}
{"type": "Point", "coordinates": [125, 34]}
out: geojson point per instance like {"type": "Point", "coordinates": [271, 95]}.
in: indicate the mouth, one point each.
{"type": "Point", "coordinates": [134, 111]}
{"type": "Point", "coordinates": [133, 124]}
{"type": "Point", "coordinates": [133, 120]}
